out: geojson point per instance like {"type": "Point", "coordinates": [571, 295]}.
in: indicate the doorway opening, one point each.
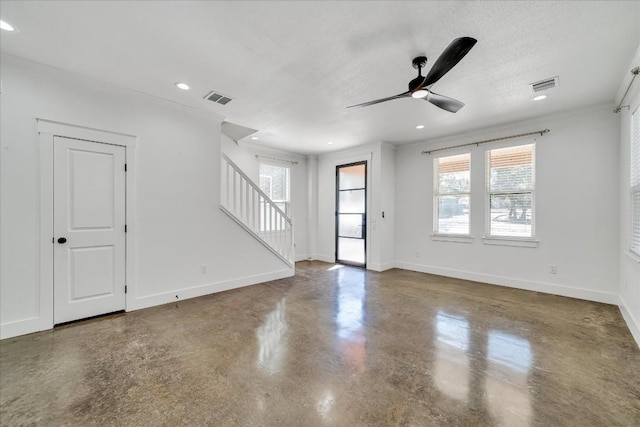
{"type": "Point", "coordinates": [351, 214]}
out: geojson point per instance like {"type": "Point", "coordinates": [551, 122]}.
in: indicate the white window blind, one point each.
{"type": "Point", "coordinates": [635, 182]}
{"type": "Point", "coordinates": [452, 187]}
{"type": "Point", "coordinates": [510, 184]}
{"type": "Point", "coordinates": [266, 185]}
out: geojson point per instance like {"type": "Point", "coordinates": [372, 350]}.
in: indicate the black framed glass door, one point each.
{"type": "Point", "coordinates": [351, 214]}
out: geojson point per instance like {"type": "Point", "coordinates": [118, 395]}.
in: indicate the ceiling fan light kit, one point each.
{"type": "Point", "coordinates": [420, 93]}
{"type": "Point", "coordinates": [420, 87]}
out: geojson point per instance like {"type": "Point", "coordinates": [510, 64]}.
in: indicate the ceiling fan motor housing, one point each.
{"type": "Point", "coordinates": [416, 83]}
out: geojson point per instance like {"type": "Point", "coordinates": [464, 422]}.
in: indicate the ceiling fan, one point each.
{"type": "Point", "coordinates": [420, 87]}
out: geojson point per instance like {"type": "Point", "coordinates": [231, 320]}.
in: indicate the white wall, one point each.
{"type": "Point", "coordinates": [180, 226]}
{"type": "Point", "coordinates": [577, 198]}
{"type": "Point", "coordinates": [629, 263]}
{"type": "Point", "coordinates": [244, 155]}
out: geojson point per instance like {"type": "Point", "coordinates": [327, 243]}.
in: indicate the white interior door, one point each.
{"type": "Point", "coordinates": [89, 229]}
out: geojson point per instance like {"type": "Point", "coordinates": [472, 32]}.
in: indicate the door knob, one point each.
{"type": "Point", "coordinates": [62, 240]}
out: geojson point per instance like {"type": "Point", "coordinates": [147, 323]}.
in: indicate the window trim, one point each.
{"type": "Point", "coordinates": [502, 240]}
{"type": "Point", "coordinates": [455, 238]}
{"type": "Point", "coordinates": [438, 235]}
{"type": "Point", "coordinates": [511, 241]}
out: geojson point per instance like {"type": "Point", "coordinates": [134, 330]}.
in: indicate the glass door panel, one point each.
{"type": "Point", "coordinates": [352, 176]}
{"type": "Point", "coordinates": [351, 251]}
{"type": "Point", "coordinates": [351, 201]}
{"type": "Point", "coordinates": [351, 225]}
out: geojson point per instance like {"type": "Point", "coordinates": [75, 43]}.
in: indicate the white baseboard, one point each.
{"type": "Point", "coordinates": [19, 327]}
{"type": "Point", "coordinates": [302, 257]}
{"type": "Point", "coordinates": [370, 266]}
{"type": "Point", "coordinates": [381, 267]}
{"type": "Point", "coordinates": [632, 322]}
{"type": "Point", "coordinates": [325, 258]}
{"type": "Point", "coordinates": [374, 267]}
{"type": "Point", "coordinates": [548, 288]}
{"type": "Point", "coordinates": [167, 297]}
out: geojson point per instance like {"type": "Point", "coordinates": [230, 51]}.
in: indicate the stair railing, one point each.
{"type": "Point", "coordinates": [251, 208]}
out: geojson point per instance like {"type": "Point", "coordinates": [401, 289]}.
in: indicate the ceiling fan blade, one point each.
{"type": "Point", "coordinates": [444, 102]}
{"type": "Point", "coordinates": [448, 59]}
{"type": "Point", "coordinates": [378, 101]}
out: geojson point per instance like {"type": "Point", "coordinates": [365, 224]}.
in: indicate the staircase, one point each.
{"type": "Point", "coordinates": [253, 210]}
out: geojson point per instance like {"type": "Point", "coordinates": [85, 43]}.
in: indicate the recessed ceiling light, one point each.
{"type": "Point", "coordinates": [254, 137]}
{"type": "Point", "coordinates": [421, 93]}
{"type": "Point", "coordinates": [330, 142]}
{"type": "Point", "coordinates": [539, 97]}
{"type": "Point", "coordinates": [182, 86]}
{"type": "Point", "coordinates": [420, 127]}
{"type": "Point", "coordinates": [6, 26]}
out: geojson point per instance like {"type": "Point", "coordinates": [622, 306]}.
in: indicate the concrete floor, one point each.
{"type": "Point", "coordinates": [333, 346]}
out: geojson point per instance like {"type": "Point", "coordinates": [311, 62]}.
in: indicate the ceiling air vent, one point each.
{"type": "Point", "coordinates": [214, 96]}
{"type": "Point", "coordinates": [543, 85]}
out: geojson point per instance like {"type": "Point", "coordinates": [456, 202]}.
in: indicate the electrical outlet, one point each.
{"type": "Point", "coordinates": [204, 269]}
{"type": "Point", "coordinates": [553, 269]}
{"type": "Point", "coordinates": [417, 254]}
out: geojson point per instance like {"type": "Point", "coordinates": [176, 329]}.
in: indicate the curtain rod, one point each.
{"type": "Point", "coordinates": [634, 73]}
{"type": "Point", "coordinates": [293, 162]}
{"type": "Point", "coordinates": [541, 132]}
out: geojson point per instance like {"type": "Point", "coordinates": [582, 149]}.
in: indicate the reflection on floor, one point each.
{"type": "Point", "coordinates": [334, 345]}
{"type": "Point", "coordinates": [272, 339]}
{"type": "Point", "coordinates": [350, 321]}
{"type": "Point", "coordinates": [451, 366]}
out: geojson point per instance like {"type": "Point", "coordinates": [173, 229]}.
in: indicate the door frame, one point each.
{"type": "Point", "coordinates": [47, 130]}
{"type": "Point", "coordinates": [366, 210]}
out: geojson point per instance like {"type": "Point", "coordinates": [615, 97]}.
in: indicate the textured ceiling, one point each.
{"type": "Point", "coordinates": [292, 67]}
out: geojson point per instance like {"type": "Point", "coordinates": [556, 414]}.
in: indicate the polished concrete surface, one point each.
{"type": "Point", "coordinates": [333, 346]}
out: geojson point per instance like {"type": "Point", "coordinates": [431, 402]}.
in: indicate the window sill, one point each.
{"type": "Point", "coordinates": [451, 238]}
{"type": "Point", "coordinates": [523, 243]}
{"type": "Point", "coordinates": [634, 256]}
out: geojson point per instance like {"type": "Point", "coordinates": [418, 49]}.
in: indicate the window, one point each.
{"type": "Point", "coordinates": [635, 182]}
{"type": "Point", "coordinates": [452, 187]}
{"type": "Point", "coordinates": [275, 183]}
{"type": "Point", "coordinates": [510, 182]}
